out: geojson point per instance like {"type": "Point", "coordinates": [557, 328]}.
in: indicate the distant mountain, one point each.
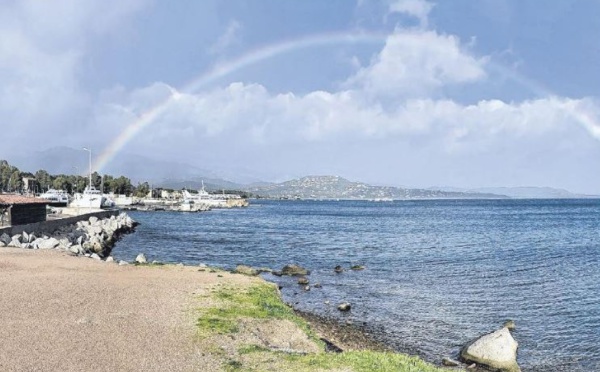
{"type": "Point", "coordinates": [334, 187]}
{"type": "Point", "coordinates": [58, 160]}
{"type": "Point", "coordinates": [523, 192]}
{"type": "Point", "coordinates": [533, 192]}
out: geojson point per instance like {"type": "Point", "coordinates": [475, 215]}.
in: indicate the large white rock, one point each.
{"type": "Point", "coordinates": [15, 243]}
{"type": "Point", "coordinates": [141, 258]}
{"type": "Point", "coordinates": [497, 350]}
{"type": "Point", "coordinates": [48, 243]}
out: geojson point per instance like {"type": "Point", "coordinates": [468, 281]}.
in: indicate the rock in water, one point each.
{"type": "Point", "coordinates": [141, 259]}
{"type": "Point", "coordinates": [344, 306]}
{"type": "Point", "coordinates": [450, 362]}
{"type": "Point", "coordinates": [294, 270]}
{"type": "Point", "coordinates": [302, 280]}
{"type": "Point", "coordinates": [497, 350]}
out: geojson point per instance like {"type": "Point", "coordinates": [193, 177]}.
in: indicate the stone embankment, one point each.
{"type": "Point", "coordinates": [94, 237]}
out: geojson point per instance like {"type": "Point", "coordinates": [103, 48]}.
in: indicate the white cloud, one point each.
{"type": "Point", "coordinates": [417, 63]}
{"type": "Point", "coordinates": [42, 47]}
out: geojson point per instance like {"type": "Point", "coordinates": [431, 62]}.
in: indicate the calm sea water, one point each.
{"type": "Point", "coordinates": [438, 273]}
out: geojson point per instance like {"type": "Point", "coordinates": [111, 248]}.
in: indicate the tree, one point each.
{"type": "Point", "coordinates": [142, 190]}
{"type": "Point", "coordinates": [44, 179]}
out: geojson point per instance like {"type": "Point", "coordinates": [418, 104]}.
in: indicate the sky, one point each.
{"type": "Point", "coordinates": [412, 93]}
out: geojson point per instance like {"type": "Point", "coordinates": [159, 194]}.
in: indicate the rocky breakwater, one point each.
{"type": "Point", "coordinates": [92, 237]}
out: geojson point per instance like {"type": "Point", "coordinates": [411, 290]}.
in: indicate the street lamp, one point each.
{"type": "Point", "coordinates": [90, 186]}
{"type": "Point", "coordinates": [90, 153]}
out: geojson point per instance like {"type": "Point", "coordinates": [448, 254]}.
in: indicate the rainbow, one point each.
{"type": "Point", "coordinates": [263, 53]}
{"type": "Point", "coordinates": [223, 69]}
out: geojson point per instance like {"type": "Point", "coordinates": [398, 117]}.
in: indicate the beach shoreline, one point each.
{"type": "Point", "coordinates": [75, 313]}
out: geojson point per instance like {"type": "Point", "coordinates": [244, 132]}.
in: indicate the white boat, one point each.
{"type": "Point", "coordinates": [213, 200]}
{"type": "Point", "coordinates": [57, 198]}
{"type": "Point", "coordinates": [92, 198]}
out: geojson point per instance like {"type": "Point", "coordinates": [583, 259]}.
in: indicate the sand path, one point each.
{"type": "Point", "coordinates": [61, 313]}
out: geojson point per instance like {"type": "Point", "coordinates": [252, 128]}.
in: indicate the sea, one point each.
{"type": "Point", "coordinates": [437, 273]}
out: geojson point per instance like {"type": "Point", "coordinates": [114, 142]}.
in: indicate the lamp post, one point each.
{"type": "Point", "coordinates": [90, 157]}
{"type": "Point", "coordinates": [90, 185]}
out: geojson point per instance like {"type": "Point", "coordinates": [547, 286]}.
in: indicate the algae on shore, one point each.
{"type": "Point", "coordinates": [253, 330]}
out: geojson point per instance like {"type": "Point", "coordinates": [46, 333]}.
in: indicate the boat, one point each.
{"type": "Point", "coordinates": [92, 198]}
{"type": "Point", "coordinates": [57, 198]}
{"type": "Point", "coordinates": [213, 200]}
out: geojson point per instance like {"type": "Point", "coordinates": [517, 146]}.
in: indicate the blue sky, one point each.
{"type": "Point", "coordinates": [455, 93]}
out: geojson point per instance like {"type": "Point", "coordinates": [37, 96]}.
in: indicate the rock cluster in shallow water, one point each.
{"type": "Point", "coordinates": [94, 236]}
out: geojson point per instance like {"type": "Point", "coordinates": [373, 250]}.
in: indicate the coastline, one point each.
{"type": "Point", "coordinates": [76, 313]}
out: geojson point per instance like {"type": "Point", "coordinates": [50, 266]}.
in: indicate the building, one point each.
{"type": "Point", "coordinates": [21, 210]}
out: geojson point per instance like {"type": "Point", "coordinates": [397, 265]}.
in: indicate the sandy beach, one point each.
{"type": "Point", "coordinates": [65, 313]}
{"type": "Point", "coordinates": [62, 313]}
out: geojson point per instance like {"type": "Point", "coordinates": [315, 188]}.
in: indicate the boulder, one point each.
{"type": "Point", "coordinates": [345, 306]}
{"type": "Point", "coordinates": [338, 269]}
{"type": "Point", "coordinates": [246, 270]}
{"type": "Point", "coordinates": [110, 259]}
{"type": "Point", "coordinates": [77, 249]}
{"type": "Point", "coordinates": [93, 220]}
{"type": "Point", "coordinates": [141, 259]}
{"type": "Point", "coordinates": [95, 256]}
{"type": "Point", "coordinates": [496, 350]}
{"type": "Point", "coordinates": [50, 243]}
{"type": "Point", "coordinates": [5, 238]}
{"type": "Point", "coordinates": [25, 237]}
{"type": "Point", "coordinates": [294, 270]}
{"type": "Point", "coordinates": [2, 244]}
{"type": "Point", "coordinates": [302, 280]}
{"type": "Point", "coordinates": [16, 243]}
{"type": "Point", "coordinates": [357, 267]}
{"type": "Point", "coordinates": [123, 263]}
